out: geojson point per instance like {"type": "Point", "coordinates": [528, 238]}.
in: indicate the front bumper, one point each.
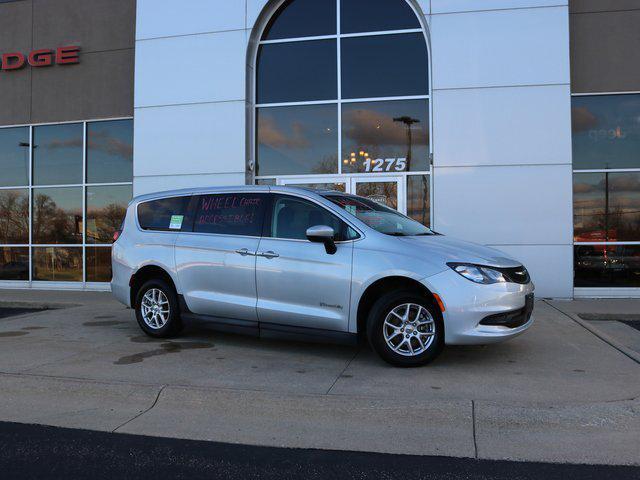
{"type": "Point", "coordinates": [477, 314]}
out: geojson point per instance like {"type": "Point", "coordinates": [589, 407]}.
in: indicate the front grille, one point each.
{"type": "Point", "coordinates": [515, 274]}
{"type": "Point", "coordinates": [512, 319]}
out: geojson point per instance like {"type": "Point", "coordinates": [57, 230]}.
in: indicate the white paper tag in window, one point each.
{"type": "Point", "coordinates": [176, 222]}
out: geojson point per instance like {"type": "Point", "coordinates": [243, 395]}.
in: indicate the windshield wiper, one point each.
{"type": "Point", "coordinates": [396, 234]}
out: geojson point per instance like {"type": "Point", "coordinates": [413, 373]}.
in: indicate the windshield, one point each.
{"type": "Point", "coordinates": [379, 217]}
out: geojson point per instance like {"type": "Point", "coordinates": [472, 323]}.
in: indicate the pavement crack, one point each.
{"type": "Point", "coordinates": [143, 412]}
{"type": "Point", "coordinates": [343, 370]}
{"type": "Point", "coordinates": [475, 437]}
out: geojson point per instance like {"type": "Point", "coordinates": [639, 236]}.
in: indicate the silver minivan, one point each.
{"type": "Point", "coordinates": [275, 261]}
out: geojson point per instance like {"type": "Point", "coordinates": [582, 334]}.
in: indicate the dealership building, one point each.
{"type": "Point", "coordinates": [510, 123]}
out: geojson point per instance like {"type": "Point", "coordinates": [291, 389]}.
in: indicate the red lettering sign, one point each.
{"type": "Point", "coordinates": [12, 61]}
{"type": "Point", "coordinates": [43, 57]}
{"type": "Point", "coordinates": [66, 55]}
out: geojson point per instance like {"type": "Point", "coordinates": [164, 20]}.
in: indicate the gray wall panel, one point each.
{"type": "Point", "coordinates": [604, 51]}
{"type": "Point", "coordinates": [15, 27]}
{"type": "Point", "coordinates": [15, 97]}
{"type": "Point", "coordinates": [96, 25]}
{"type": "Point", "coordinates": [100, 86]}
{"type": "Point", "coordinates": [577, 6]}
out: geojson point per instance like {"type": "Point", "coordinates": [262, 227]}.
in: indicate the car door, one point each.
{"type": "Point", "coordinates": [216, 260]}
{"type": "Point", "coordinates": [298, 282]}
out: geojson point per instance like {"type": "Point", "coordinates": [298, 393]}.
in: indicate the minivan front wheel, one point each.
{"type": "Point", "coordinates": [405, 329]}
{"type": "Point", "coordinates": [157, 309]}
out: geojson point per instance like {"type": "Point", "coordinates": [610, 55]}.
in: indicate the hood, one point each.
{"type": "Point", "coordinates": [455, 250]}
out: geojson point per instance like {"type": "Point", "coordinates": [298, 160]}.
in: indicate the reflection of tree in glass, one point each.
{"type": "Point", "coordinates": [102, 222]}
{"type": "Point", "coordinates": [57, 264]}
{"type": "Point", "coordinates": [14, 217]}
{"type": "Point", "coordinates": [52, 224]}
{"type": "Point", "coordinates": [328, 164]}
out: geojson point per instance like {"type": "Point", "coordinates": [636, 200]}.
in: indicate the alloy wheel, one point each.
{"type": "Point", "coordinates": [409, 329]}
{"type": "Point", "coordinates": [155, 308]}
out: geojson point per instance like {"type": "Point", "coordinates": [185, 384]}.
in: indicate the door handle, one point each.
{"type": "Point", "coordinates": [244, 252]}
{"type": "Point", "coordinates": [268, 254]}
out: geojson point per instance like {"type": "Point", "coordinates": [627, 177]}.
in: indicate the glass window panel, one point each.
{"type": "Point", "coordinates": [98, 264]}
{"type": "Point", "coordinates": [380, 137]}
{"type": "Point", "coordinates": [606, 207]}
{"type": "Point", "coordinates": [418, 200]}
{"type": "Point", "coordinates": [110, 151]}
{"type": "Point", "coordinates": [607, 265]}
{"type": "Point", "coordinates": [14, 156]}
{"type": "Point", "coordinates": [14, 216]}
{"type": "Point", "coordinates": [57, 264]}
{"type": "Point", "coordinates": [157, 214]}
{"type": "Point", "coordinates": [297, 71]}
{"type": "Point", "coordinates": [338, 187]}
{"type": "Point", "coordinates": [385, 193]}
{"type": "Point", "coordinates": [231, 214]}
{"type": "Point", "coordinates": [265, 181]}
{"type": "Point", "coordinates": [57, 154]}
{"type": "Point", "coordinates": [291, 217]}
{"type": "Point", "coordinates": [302, 18]}
{"type": "Point", "coordinates": [606, 131]}
{"type": "Point", "coordinates": [376, 15]}
{"type": "Point", "coordinates": [384, 66]}
{"type": "Point", "coordinates": [106, 207]}
{"type": "Point", "coordinates": [297, 140]}
{"type": "Point", "coordinates": [14, 263]}
{"type": "Point", "coordinates": [57, 215]}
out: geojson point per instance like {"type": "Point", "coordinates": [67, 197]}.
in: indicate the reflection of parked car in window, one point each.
{"type": "Point", "coordinates": [303, 264]}
{"type": "Point", "coordinates": [15, 270]}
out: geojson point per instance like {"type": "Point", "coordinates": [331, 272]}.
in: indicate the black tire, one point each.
{"type": "Point", "coordinates": [375, 333]}
{"type": "Point", "coordinates": [173, 326]}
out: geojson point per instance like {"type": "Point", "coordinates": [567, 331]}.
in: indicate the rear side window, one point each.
{"type": "Point", "coordinates": [163, 214]}
{"type": "Point", "coordinates": [231, 214]}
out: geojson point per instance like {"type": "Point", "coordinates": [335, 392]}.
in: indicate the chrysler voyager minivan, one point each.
{"type": "Point", "coordinates": [308, 265]}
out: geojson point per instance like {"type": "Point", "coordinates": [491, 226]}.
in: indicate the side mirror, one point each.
{"type": "Point", "coordinates": [323, 234]}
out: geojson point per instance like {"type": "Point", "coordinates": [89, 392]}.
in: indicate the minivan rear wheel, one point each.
{"type": "Point", "coordinates": [157, 309]}
{"type": "Point", "coordinates": [405, 329]}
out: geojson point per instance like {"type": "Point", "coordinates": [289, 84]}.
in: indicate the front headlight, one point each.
{"type": "Point", "coordinates": [478, 273]}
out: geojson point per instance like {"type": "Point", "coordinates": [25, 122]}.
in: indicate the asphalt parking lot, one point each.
{"type": "Point", "coordinates": [556, 394]}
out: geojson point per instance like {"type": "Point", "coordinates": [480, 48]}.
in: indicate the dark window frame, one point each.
{"type": "Point", "coordinates": [165, 229]}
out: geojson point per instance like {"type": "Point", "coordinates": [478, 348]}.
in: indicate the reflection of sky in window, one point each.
{"type": "Point", "coordinates": [368, 16]}
{"type": "Point", "coordinates": [606, 131]}
{"type": "Point", "coordinates": [370, 128]}
{"type": "Point", "coordinates": [57, 154]}
{"type": "Point", "coordinates": [385, 65]}
{"type": "Point", "coordinates": [302, 18]}
{"type": "Point", "coordinates": [589, 193]}
{"type": "Point", "coordinates": [66, 198]}
{"type": "Point", "coordinates": [297, 140]}
{"type": "Point", "coordinates": [110, 151]}
{"type": "Point", "coordinates": [14, 156]}
{"type": "Point", "coordinates": [100, 197]}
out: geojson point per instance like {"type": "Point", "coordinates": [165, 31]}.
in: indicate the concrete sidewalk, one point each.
{"type": "Point", "coordinates": [558, 393]}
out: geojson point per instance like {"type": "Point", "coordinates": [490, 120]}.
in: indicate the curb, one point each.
{"type": "Point", "coordinates": [632, 354]}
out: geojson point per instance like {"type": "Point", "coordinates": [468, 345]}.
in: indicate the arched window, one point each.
{"type": "Point", "coordinates": [342, 97]}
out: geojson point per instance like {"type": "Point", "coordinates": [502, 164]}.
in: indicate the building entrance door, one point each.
{"type": "Point", "coordinates": [387, 190]}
